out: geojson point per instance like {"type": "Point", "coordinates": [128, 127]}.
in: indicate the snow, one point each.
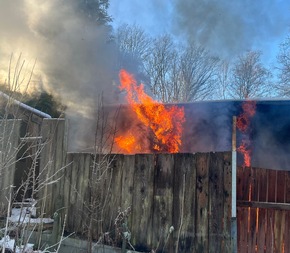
{"type": "Point", "coordinates": [24, 215]}
{"type": "Point", "coordinates": [9, 243]}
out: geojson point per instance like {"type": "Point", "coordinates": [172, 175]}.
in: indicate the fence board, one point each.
{"type": "Point", "coordinates": [252, 232]}
{"type": "Point", "coordinates": [202, 207]}
{"type": "Point", "coordinates": [185, 191]}
{"type": "Point", "coordinates": [262, 230]}
{"type": "Point", "coordinates": [262, 182]}
{"type": "Point", "coordinates": [163, 200]}
{"type": "Point", "coordinates": [9, 147]}
{"type": "Point", "coordinates": [143, 200]}
{"type": "Point", "coordinates": [216, 203]}
{"type": "Point", "coordinates": [281, 184]}
{"type": "Point", "coordinates": [187, 238]}
{"type": "Point", "coordinates": [272, 190]}
{"type": "Point", "coordinates": [270, 231]}
{"type": "Point", "coordinates": [227, 198]}
{"type": "Point", "coordinates": [287, 188]}
{"type": "Point", "coordinates": [242, 216]}
{"type": "Point", "coordinates": [279, 230]}
{"type": "Point", "coordinates": [287, 233]}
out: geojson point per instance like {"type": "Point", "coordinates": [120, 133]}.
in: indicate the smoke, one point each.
{"type": "Point", "coordinates": [75, 60]}
{"type": "Point", "coordinates": [231, 27]}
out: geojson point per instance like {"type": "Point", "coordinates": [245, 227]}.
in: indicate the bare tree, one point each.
{"type": "Point", "coordinates": [250, 79]}
{"type": "Point", "coordinates": [159, 67]}
{"type": "Point", "coordinates": [223, 80]}
{"type": "Point", "coordinates": [22, 175]}
{"type": "Point", "coordinates": [134, 46]}
{"type": "Point", "coordinates": [284, 68]}
{"type": "Point", "coordinates": [198, 72]}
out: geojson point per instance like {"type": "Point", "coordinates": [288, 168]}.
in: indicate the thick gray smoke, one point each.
{"type": "Point", "coordinates": [231, 27]}
{"type": "Point", "coordinates": [75, 60]}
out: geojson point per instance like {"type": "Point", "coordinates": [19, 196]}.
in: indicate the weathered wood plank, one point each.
{"type": "Point", "coordinates": [262, 230]}
{"type": "Point", "coordinates": [216, 202]}
{"type": "Point", "coordinates": [270, 231]}
{"type": "Point", "coordinates": [281, 186]}
{"type": "Point", "coordinates": [242, 220]}
{"type": "Point", "coordinates": [252, 230]}
{"type": "Point", "coordinates": [9, 148]}
{"type": "Point", "coordinates": [287, 188]}
{"type": "Point", "coordinates": [279, 230]}
{"type": "Point", "coordinates": [287, 233]}
{"type": "Point", "coordinates": [272, 190]}
{"type": "Point", "coordinates": [202, 205]}
{"type": "Point", "coordinates": [163, 200]}
{"type": "Point", "coordinates": [183, 201]}
{"type": "Point", "coordinates": [262, 182]}
{"type": "Point", "coordinates": [270, 205]}
{"type": "Point", "coordinates": [143, 200]}
{"type": "Point", "coordinates": [227, 198]}
{"type": "Point", "coordinates": [255, 184]}
{"type": "Point", "coordinates": [128, 170]}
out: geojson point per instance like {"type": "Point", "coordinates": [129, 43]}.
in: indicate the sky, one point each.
{"type": "Point", "coordinates": [227, 28]}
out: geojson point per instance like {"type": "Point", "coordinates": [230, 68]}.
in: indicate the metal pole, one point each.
{"type": "Point", "coordinates": [234, 187]}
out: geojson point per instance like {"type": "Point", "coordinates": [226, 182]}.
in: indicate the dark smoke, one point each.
{"type": "Point", "coordinates": [75, 60]}
{"type": "Point", "coordinates": [231, 27]}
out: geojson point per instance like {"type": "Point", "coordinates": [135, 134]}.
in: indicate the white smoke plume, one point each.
{"type": "Point", "coordinates": [74, 58]}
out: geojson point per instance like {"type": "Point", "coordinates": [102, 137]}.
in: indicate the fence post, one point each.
{"type": "Point", "coordinates": [234, 188]}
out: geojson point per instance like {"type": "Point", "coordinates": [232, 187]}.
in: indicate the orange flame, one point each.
{"type": "Point", "coordinates": [243, 124]}
{"type": "Point", "coordinates": [165, 122]}
{"type": "Point", "coordinates": [246, 152]}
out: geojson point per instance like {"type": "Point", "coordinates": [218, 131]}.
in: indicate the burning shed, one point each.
{"type": "Point", "coordinates": [147, 126]}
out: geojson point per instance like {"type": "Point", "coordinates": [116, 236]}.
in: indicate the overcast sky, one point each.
{"type": "Point", "coordinates": [225, 27]}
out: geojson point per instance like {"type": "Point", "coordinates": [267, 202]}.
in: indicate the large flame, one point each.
{"type": "Point", "coordinates": [164, 122]}
{"type": "Point", "coordinates": [243, 124]}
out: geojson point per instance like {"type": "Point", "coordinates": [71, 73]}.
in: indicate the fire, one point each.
{"type": "Point", "coordinates": [246, 151]}
{"type": "Point", "coordinates": [164, 122]}
{"type": "Point", "coordinates": [243, 124]}
{"type": "Point", "coordinates": [127, 143]}
{"type": "Point", "coordinates": [249, 110]}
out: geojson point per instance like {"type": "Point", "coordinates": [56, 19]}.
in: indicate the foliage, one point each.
{"type": "Point", "coordinates": [46, 103]}
{"type": "Point", "coordinates": [95, 11]}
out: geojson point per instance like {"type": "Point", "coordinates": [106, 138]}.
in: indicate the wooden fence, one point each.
{"type": "Point", "coordinates": [263, 210]}
{"type": "Point", "coordinates": [188, 192]}
{"type": "Point", "coordinates": [9, 146]}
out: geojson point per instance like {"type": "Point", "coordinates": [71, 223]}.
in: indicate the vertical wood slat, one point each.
{"type": "Point", "coordinates": [279, 226]}
{"type": "Point", "coordinates": [270, 231]}
{"type": "Point", "coordinates": [178, 198]}
{"type": "Point", "coordinates": [202, 207]}
{"type": "Point", "coordinates": [216, 203]}
{"type": "Point", "coordinates": [157, 179]}
{"type": "Point", "coordinates": [227, 198]}
{"type": "Point", "coordinates": [242, 215]}
{"type": "Point", "coordinates": [281, 186]}
{"type": "Point", "coordinates": [287, 233]}
{"type": "Point", "coordinates": [143, 199]}
{"type": "Point", "coordinates": [9, 147]}
{"type": "Point", "coordinates": [262, 230]}
{"type": "Point", "coordinates": [271, 185]}
{"type": "Point", "coordinates": [163, 200]}
{"type": "Point", "coordinates": [252, 233]}
{"type": "Point", "coordinates": [186, 240]}
{"type": "Point", "coordinates": [52, 160]}
{"type": "Point", "coordinates": [262, 182]}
